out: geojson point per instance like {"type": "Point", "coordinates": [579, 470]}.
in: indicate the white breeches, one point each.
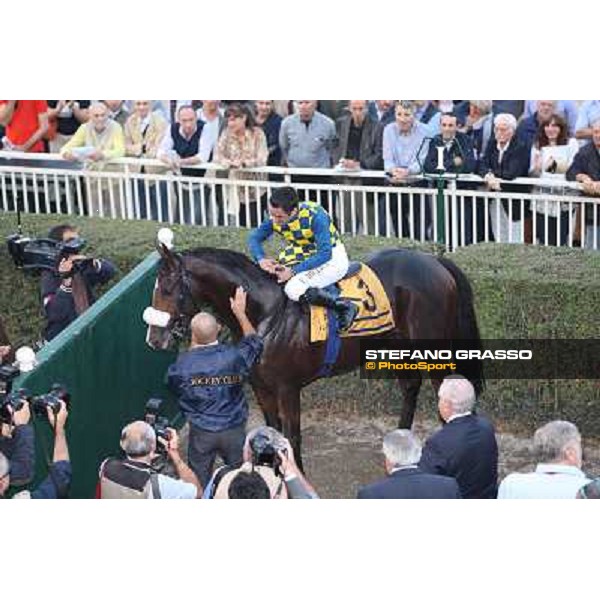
{"type": "Point", "coordinates": [330, 272]}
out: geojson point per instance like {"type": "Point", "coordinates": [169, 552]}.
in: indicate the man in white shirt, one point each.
{"type": "Point", "coordinates": [214, 123]}
{"type": "Point", "coordinates": [558, 475]}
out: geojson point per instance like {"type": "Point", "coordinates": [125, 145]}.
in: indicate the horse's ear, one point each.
{"type": "Point", "coordinates": [168, 256]}
{"type": "Point", "coordinates": [164, 242]}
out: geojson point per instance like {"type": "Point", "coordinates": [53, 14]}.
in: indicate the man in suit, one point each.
{"type": "Point", "coordinates": [506, 157]}
{"type": "Point", "coordinates": [402, 451]}
{"type": "Point", "coordinates": [586, 170]}
{"type": "Point", "coordinates": [458, 157]}
{"type": "Point", "coordinates": [465, 448]}
{"type": "Point", "coordinates": [359, 147]}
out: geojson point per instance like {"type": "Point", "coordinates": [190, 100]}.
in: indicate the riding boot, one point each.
{"type": "Point", "coordinates": [345, 310]}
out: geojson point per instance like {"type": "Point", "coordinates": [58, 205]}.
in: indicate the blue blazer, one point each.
{"type": "Point", "coordinates": [465, 449]}
{"type": "Point", "coordinates": [411, 484]}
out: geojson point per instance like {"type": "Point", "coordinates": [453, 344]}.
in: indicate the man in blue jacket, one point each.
{"type": "Point", "coordinates": [465, 447]}
{"type": "Point", "coordinates": [405, 480]}
{"type": "Point", "coordinates": [208, 380]}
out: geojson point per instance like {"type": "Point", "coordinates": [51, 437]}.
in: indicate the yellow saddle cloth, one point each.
{"type": "Point", "coordinates": [374, 311]}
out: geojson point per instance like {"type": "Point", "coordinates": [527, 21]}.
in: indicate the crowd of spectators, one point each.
{"type": "Point", "coordinates": [498, 140]}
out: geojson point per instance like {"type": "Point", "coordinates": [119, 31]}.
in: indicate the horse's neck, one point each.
{"type": "Point", "coordinates": [264, 301]}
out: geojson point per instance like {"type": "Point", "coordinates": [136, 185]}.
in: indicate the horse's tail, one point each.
{"type": "Point", "coordinates": [466, 324]}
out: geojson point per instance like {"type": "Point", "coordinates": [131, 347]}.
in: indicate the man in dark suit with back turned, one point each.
{"type": "Point", "coordinates": [465, 448]}
{"type": "Point", "coordinates": [405, 480]}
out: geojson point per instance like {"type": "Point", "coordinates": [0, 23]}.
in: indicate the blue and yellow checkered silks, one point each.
{"type": "Point", "coordinates": [298, 232]}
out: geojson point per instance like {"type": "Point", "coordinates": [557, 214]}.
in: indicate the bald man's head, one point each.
{"type": "Point", "coordinates": [138, 439]}
{"type": "Point", "coordinates": [205, 328]}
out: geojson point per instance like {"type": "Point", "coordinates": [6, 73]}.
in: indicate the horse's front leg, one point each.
{"type": "Point", "coordinates": [267, 400]}
{"type": "Point", "coordinates": [288, 399]}
{"type": "Point", "coordinates": [410, 393]}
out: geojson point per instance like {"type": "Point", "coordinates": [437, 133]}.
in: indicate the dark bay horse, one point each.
{"type": "Point", "coordinates": [430, 296]}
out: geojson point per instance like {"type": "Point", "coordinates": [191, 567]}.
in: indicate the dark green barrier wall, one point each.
{"type": "Point", "coordinates": [110, 371]}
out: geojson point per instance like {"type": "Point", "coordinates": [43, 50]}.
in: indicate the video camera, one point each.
{"type": "Point", "coordinates": [8, 373]}
{"type": "Point", "coordinates": [41, 253]}
{"type": "Point", "coordinates": [11, 402]}
{"type": "Point", "coordinates": [159, 423]}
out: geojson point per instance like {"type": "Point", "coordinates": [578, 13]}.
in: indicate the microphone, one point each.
{"type": "Point", "coordinates": [461, 152]}
{"type": "Point", "coordinates": [426, 139]}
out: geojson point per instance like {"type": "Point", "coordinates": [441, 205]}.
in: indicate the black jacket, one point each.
{"type": "Point", "coordinates": [271, 129]}
{"type": "Point", "coordinates": [462, 147]}
{"type": "Point", "coordinates": [412, 484]}
{"type": "Point", "coordinates": [465, 449]}
{"type": "Point", "coordinates": [59, 306]}
{"type": "Point", "coordinates": [587, 161]}
{"type": "Point", "coordinates": [371, 142]}
{"type": "Point", "coordinates": [515, 163]}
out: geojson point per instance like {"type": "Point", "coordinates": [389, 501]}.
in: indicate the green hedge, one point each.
{"type": "Point", "coordinates": [520, 292]}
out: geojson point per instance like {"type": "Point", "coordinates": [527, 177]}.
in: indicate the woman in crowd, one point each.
{"type": "Point", "coordinates": [551, 156]}
{"type": "Point", "coordinates": [242, 145]}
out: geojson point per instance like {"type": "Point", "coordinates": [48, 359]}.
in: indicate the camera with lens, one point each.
{"type": "Point", "coordinates": [265, 445]}
{"type": "Point", "coordinates": [159, 423]}
{"type": "Point", "coordinates": [12, 402]}
{"type": "Point", "coordinates": [8, 373]}
{"type": "Point", "coordinates": [32, 254]}
{"type": "Point", "coordinates": [51, 400]}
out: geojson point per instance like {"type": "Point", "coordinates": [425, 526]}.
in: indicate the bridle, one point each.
{"type": "Point", "coordinates": [179, 325]}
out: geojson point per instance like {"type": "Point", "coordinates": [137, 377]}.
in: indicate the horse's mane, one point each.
{"type": "Point", "coordinates": [232, 261]}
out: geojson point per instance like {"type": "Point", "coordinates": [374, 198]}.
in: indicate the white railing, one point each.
{"type": "Point", "coordinates": [450, 210]}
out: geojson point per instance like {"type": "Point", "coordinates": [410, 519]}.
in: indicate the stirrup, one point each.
{"type": "Point", "coordinates": [346, 312]}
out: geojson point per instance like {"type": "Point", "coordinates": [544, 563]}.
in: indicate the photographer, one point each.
{"type": "Point", "coordinates": [135, 478]}
{"type": "Point", "coordinates": [17, 445]}
{"type": "Point", "coordinates": [269, 471]}
{"type": "Point", "coordinates": [208, 381]}
{"type": "Point", "coordinates": [67, 290]}
{"type": "Point", "coordinates": [56, 484]}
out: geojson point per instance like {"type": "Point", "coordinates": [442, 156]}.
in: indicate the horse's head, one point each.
{"type": "Point", "coordinates": [172, 305]}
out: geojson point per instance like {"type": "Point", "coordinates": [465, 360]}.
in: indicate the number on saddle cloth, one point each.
{"type": "Point", "coordinates": [353, 269]}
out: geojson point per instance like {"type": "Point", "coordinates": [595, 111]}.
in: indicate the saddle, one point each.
{"type": "Point", "coordinates": [362, 286]}
{"type": "Point", "coordinates": [353, 268]}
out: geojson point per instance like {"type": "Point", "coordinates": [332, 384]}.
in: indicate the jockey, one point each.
{"type": "Point", "coordinates": [314, 257]}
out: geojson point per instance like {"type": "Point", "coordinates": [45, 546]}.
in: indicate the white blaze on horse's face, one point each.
{"type": "Point", "coordinates": [158, 336]}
